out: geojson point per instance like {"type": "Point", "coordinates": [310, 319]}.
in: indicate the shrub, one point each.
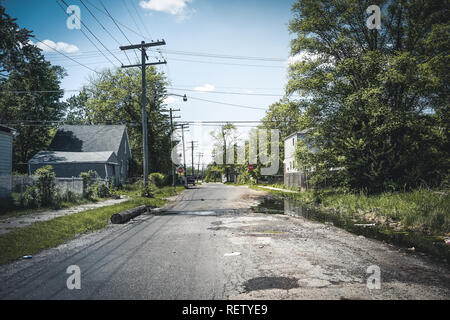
{"type": "Point", "coordinates": [67, 195]}
{"type": "Point", "coordinates": [30, 197]}
{"type": "Point", "coordinates": [46, 185]}
{"type": "Point", "coordinates": [103, 191]}
{"type": "Point", "coordinates": [158, 179]}
{"type": "Point", "coordinates": [88, 192]}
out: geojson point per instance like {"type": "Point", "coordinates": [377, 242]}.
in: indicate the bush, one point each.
{"type": "Point", "coordinates": [30, 197]}
{"type": "Point", "coordinates": [67, 195]}
{"type": "Point", "coordinates": [103, 191]}
{"type": "Point", "coordinates": [88, 192]}
{"type": "Point", "coordinates": [46, 185]}
{"type": "Point", "coordinates": [158, 179]}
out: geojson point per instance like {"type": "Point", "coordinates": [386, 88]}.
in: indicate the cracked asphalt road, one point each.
{"type": "Point", "coordinates": [209, 245]}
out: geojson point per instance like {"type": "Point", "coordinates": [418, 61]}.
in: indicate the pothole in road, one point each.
{"type": "Point", "coordinates": [264, 283]}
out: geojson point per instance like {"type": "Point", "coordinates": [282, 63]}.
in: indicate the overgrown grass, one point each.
{"type": "Point", "coordinates": [46, 234]}
{"type": "Point", "coordinates": [422, 210]}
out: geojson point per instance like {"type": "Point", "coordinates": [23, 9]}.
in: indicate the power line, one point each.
{"type": "Point", "coordinates": [87, 37]}
{"type": "Point", "coordinates": [101, 2]}
{"type": "Point", "coordinates": [230, 64]}
{"type": "Point", "coordinates": [95, 37]}
{"type": "Point", "coordinates": [65, 55]}
{"type": "Point", "coordinates": [205, 54]}
{"type": "Point", "coordinates": [140, 18]}
{"type": "Point", "coordinates": [223, 56]}
{"type": "Point", "coordinates": [98, 21]}
{"type": "Point", "coordinates": [131, 16]}
{"type": "Point", "coordinates": [227, 104]}
{"type": "Point", "coordinates": [227, 92]}
{"type": "Point", "coordinates": [118, 22]}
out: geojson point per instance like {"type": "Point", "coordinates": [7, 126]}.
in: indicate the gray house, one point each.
{"type": "Point", "coordinates": [6, 145]}
{"type": "Point", "coordinates": [80, 148]}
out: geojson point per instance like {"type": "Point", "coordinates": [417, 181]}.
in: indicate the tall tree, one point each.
{"type": "Point", "coordinates": [377, 99]}
{"type": "Point", "coordinates": [225, 139]}
{"type": "Point", "coordinates": [23, 72]}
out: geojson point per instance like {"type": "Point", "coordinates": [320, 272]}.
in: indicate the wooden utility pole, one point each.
{"type": "Point", "coordinates": [200, 154]}
{"type": "Point", "coordinates": [144, 57]}
{"type": "Point", "coordinates": [171, 144]}
{"type": "Point", "coordinates": [192, 150]}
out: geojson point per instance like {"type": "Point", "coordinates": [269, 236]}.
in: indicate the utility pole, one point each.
{"type": "Point", "coordinates": [144, 57]}
{"type": "Point", "coordinates": [183, 126]}
{"type": "Point", "coordinates": [171, 143]}
{"type": "Point", "coordinates": [198, 164]}
{"type": "Point", "coordinates": [192, 146]}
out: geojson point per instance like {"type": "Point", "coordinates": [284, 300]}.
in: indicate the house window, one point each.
{"type": "Point", "coordinates": [293, 141]}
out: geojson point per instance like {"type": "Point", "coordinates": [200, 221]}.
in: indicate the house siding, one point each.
{"type": "Point", "coordinates": [6, 145]}
{"type": "Point", "coordinates": [68, 170]}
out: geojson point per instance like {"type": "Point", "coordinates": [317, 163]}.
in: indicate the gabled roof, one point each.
{"type": "Point", "coordinates": [88, 138]}
{"type": "Point", "coordinates": [298, 133]}
{"type": "Point", "coordinates": [71, 157]}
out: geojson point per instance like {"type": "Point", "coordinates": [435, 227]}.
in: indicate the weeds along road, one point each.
{"type": "Point", "coordinates": [208, 245]}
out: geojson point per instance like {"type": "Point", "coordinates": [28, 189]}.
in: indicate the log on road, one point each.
{"type": "Point", "coordinates": [124, 216]}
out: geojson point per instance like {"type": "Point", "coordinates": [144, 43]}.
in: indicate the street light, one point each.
{"type": "Point", "coordinates": [178, 95]}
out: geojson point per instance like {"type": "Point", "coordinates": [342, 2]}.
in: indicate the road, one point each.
{"type": "Point", "coordinates": [208, 245]}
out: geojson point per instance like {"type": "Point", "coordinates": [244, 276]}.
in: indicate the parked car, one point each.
{"type": "Point", "coordinates": [191, 180]}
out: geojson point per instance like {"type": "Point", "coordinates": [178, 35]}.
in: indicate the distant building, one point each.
{"type": "Point", "coordinates": [6, 148]}
{"type": "Point", "coordinates": [80, 148]}
{"type": "Point", "coordinates": [293, 175]}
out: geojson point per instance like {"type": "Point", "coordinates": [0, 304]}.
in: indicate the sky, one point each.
{"type": "Point", "coordinates": [233, 52]}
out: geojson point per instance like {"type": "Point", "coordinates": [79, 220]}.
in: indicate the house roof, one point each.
{"type": "Point", "coordinates": [7, 129]}
{"type": "Point", "coordinates": [70, 157]}
{"type": "Point", "coordinates": [88, 138]}
{"type": "Point", "coordinates": [298, 133]}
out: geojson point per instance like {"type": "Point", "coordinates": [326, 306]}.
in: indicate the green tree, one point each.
{"type": "Point", "coordinates": [225, 139]}
{"type": "Point", "coordinates": [24, 68]}
{"type": "Point", "coordinates": [377, 100]}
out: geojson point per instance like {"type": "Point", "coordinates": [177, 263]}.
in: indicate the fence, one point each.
{"type": "Point", "coordinates": [74, 184]}
{"type": "Point", "coordinates": [296, 180]}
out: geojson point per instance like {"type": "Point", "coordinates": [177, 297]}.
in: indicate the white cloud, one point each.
{"type": "Point", "coordinates": [206, 87]}
{"type": "Point", "coordinates": [48, 45]}
{"type": "Point", "coordinates": [174, 7]}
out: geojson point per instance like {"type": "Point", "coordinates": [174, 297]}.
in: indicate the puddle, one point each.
{"type": "Point", "coordinates": [423, 243]}
{"type": "Point", "coordinates": [265, 283]}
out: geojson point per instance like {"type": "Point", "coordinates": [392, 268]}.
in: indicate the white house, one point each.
{"type": "Point", "coordinates": [290, 144]}
{"type": "Point", "coordinates": [293, 175]}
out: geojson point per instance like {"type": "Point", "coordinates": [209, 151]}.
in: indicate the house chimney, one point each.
{"type": "Point", "coordinates": [108, 121]}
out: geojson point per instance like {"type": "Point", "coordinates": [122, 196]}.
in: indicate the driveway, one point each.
{"type": "Point", "coordinates": [209, 245]}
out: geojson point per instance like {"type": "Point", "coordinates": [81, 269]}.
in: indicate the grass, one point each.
{"type": "Point", "coordinates": [34, 238]}
{"type": "Point", "coordinates": [423, 210]}
{"type": "Point", "coordinates": [18, 211]}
